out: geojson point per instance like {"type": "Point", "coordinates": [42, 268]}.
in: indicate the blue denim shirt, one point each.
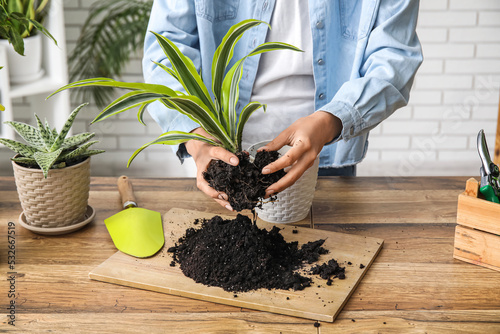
{"type": "Point", "coordinates": [369, 55]}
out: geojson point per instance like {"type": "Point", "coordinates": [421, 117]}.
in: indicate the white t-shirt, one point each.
{"type": "Point", "coordinates": [284, 79]}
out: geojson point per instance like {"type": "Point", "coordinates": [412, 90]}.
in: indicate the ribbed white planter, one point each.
{"type": "Point", "coordinates": [294, 203]}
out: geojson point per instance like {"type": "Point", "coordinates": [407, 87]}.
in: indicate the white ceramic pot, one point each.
{"type": "Point", "coordinates": [25, 68]}
{"type": "Point", "coordinates": [294, 203]}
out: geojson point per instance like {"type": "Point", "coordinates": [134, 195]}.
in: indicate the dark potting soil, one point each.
{"type": "Point", "coordinates": [244, 184]}
{"type": "Point", "coordinates": [328, 270]}
{"type": "Point", "coordinates": [238, 256]}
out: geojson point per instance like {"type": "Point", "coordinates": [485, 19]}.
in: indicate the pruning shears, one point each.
{"type": "Point", "coordinates": [490, 184]}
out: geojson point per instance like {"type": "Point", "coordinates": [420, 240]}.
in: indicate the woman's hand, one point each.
{"type": "Point", "coordinates": [202, 154]}
{"type": "Point", "coordinates": [307, 136]}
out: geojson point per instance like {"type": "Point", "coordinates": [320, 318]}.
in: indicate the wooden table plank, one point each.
{"type": "Point", "coordinates": [414, 285]}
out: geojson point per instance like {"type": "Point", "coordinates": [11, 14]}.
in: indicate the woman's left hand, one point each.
{"type": "Point", "coordinates": [307, 136]}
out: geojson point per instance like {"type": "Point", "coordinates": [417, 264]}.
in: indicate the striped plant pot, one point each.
{"type": "Point", "coordinates": [294, 203]}
{"type": "Point", "coordinates": [59, 200]}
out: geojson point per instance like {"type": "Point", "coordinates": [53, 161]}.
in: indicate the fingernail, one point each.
{"type": "Point", "coordinates": [229, 207]}
{"type": "Point", "coordinates": [223, 197]}
{"type": "Point", "coordinates": [266, 171]}
{"type": "Point", "coordinates": [233, 161]}
{"type": "Point", "coordinates": [269, 192]}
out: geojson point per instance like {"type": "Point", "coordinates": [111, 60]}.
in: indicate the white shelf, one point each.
{"type": "Point", "coordinates": [44, 85]}
{"type": "Point", "coordinates": [54, 62]}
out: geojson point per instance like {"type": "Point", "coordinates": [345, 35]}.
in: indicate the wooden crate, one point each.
{"type": "Point", "coordinates": [477, 235]}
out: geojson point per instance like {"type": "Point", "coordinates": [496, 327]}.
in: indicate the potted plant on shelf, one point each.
{"type": "Point", "coordinates": [52, 175]}
{"type": "Point", "coordinates": [217, 115]}
{"type": "Point", "coordinates": [20, 22]}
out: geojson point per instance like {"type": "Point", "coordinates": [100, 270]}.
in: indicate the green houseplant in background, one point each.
{"type": "Point", "coordinates": [20, 19]}
{"type": "Point", "coordinates": [109, 37]}
{"type": "Point", "coordinates": [52, 173]}
{"type": "Point", "coordinates": [215, 112]}
{"type": "Point", "coordinates": [20, 22]}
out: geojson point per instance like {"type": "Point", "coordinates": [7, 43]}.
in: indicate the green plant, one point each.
{"type": "Point", "coordinates": [19, 19]}
{"type": "Point", "coordinates": [109, 36]}
{"type": "Point", "coordinates": [215, 115]}
{"type": "Point", "coordinates": [45, 148]}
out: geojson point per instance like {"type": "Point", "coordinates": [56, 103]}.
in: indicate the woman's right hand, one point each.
{"type": "Point", "coordinates": [202, 154]}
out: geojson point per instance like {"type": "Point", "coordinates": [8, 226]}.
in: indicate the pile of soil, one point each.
{"type": "Point", "coordinates": [244, 184]}
{"type": "Point", "coordinates": [238, 256]}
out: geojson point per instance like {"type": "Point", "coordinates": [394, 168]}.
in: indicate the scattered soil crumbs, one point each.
{"type": "Point", "coordinates": [317, 324]}
{"type": "Point", "coordinates": [238, 256]}
{"type": "Point", "coordinates": [328, 270]}
{"type": "Point", "coordinates": [244, 184]}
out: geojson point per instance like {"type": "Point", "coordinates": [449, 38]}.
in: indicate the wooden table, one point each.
{"type": "Point", "coordinates": [414, 285]}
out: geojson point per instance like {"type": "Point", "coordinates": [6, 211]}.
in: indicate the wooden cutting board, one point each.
{"type": "Point", "coordinates": [318, 302]}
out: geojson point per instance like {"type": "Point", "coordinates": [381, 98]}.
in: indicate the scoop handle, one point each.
{"type": "Point", "coordinates": [126, 192]}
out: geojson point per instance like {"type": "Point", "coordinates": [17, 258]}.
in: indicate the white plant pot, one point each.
{"type": "Point", "coordinates": [294, 203]}
{"type": "Point", "coordinates": [25, 68]}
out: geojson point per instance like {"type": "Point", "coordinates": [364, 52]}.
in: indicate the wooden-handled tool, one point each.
{"type": "Point", "coordinates": [135, 231]}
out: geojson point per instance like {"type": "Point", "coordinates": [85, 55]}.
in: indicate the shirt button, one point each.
{"type": "Point", "coordinates": [264, 6]}
{"type": "Point", "coordinates": [321, 96]}
{"type": "Point", "coordinates": [351, 131]}
{"type": "Point", "coordinates": [321, 62]}
{"type": "Point", "coordinates": [320, 24]}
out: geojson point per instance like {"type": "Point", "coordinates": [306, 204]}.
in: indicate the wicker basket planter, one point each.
{"type": "Point", "coordinates": [57, 201]}
{"type": "Point", "coordinates": [294, 203]}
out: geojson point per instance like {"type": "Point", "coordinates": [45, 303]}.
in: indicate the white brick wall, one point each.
{"type": "Point", "coordinates": [455, 94]}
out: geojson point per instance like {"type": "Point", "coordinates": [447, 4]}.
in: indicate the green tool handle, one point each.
{"type": "Point", "coordinates": [489, 193]}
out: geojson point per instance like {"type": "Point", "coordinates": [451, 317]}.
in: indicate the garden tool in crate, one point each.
{"type": "Point", "coordinates": [490, 184]}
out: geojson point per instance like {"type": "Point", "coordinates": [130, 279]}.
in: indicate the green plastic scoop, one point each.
{"type": "Point", "coordinates": [135, 231]}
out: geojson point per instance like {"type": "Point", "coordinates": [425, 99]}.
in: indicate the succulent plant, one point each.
{"type": "Point", "coordinates": [45, 148]}
{"type": "Point", "coordinates": [215, 113]}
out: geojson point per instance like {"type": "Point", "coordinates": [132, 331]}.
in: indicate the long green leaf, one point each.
{"type": "Point", "coordinates": [168, 70]}
{"type": "Point", "coordinates": [76, 140]}
{"type": "Point", "coordinates": [89, 153]}
{"type": "Point", "coordinates": [230, 85]}
{"type": "Point", "coordinates": [29, 133]}
{"type": "Point", "coordinates": [128, 101]}
{"type": "Point", "coordinates": [77, 152]}
{"type": "Point", "coordinates": [140, 113]}
{"type": "Point", "coordinates": [186, 71]}
{"type": "Point", "coordinates": [43, 30]}
{"type": "Point", "coordinates": [22, 149]}
{"type": "Point", "coordinates": [46, 159]}
{"type": "Point", "coordinates": [173, 138]}
{"type": "Point", "coordinates": [193, 107]}
{"type": "Point", "coordinates": [105, 82]}
{"type": "Point", "coordinates": [31, 162]}
{"type": "Point", "coordinates": [244, 116]}
{"type": "Point", "coordinates": [66, 127]}
{"type": "Point", "coordinates": [45, 134]}
{"type": "Point", "coordinates": [224, 53]}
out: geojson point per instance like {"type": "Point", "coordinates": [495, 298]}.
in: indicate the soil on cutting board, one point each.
{"type": "Point", "coordinates": [238, 256]}
{"type": "Point", "coordinates": [244, 184]}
